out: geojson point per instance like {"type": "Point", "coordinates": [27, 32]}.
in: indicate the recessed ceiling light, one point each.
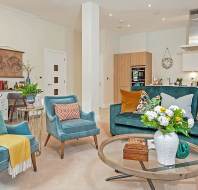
{"type": "Point", "coordinates": [128, 25]}
{"type": "Point", "coordinates": [110, 14]}
{"type": "Point", "coordinates": [163, 19]}
{"type": "Point", "coordinates": [149, 5]}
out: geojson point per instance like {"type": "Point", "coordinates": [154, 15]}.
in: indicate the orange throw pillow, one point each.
{"type": "Point", "coordinates": [129, 100]}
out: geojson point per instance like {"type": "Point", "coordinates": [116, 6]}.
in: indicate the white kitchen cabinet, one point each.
{"type": "Point", "coordinates": [190, 61]}
{"type": "Point", "coordinates": [4, 104]}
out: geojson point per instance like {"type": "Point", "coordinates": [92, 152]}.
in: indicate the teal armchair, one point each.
{"type": "Point", "coordinates": [18, 129]}
{"type": "Point", "coordinates": [69, 129]}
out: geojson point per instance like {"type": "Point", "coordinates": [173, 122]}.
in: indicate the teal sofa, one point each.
{"type": "Point", "coordinates": [125, 123]}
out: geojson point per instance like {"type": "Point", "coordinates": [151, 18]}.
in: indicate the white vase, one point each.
{"type": "Point", "coordinates": [166, 147]}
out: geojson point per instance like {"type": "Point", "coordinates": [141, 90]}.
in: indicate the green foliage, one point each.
{"type": "Point", "coordinates": [30, 89]}
{"type": "Point", "coordinates": [177, 123]}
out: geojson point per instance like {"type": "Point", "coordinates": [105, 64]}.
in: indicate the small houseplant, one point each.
{"type": "Point", "coordinates": [168, 123]}
{"type": "Point", "coordinates": [29, 91]}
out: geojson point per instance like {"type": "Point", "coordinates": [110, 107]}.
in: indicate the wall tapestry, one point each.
{"type": "Point", "coordinates": [11, 63]}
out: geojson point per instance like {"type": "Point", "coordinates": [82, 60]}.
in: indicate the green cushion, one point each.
{"type": "Point", "coordinates": [3, 129]}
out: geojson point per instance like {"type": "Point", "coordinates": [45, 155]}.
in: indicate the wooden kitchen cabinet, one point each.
{"type": "Point", "coordinates": [123, 64]}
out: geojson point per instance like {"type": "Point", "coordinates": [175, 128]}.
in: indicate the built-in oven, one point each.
{"type": "Point", "coordinates": [138, 76]}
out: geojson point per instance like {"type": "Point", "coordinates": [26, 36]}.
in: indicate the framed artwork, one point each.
{"type": "Point", "coordinates": [11, 63]}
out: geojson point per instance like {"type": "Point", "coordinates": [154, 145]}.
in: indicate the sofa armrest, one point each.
{"type": "Point", "coordinates": [115, 110]}
{"type": "Point", "coordinates": [88, 116]}
{"type": "Point", "coordinates": [54, 126]}
{"type": "Point", "coordinates": [19, 129]}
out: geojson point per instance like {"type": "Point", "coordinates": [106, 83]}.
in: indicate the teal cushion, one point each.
{"type": "Point", "coordinates": [183, 150]}
{"type": "Point", "coordinates": [3, 129]}
{"type": "Point", "coordinates": [77, 125]}
{"type": "Point", "coordinates": [129, 119]}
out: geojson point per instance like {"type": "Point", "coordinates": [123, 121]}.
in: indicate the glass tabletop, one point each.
{"type": "Point", "coordinates": [112, 152]}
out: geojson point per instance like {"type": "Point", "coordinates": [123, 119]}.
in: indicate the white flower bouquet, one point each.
{"type": "Point", "coordinates": [168, 120]}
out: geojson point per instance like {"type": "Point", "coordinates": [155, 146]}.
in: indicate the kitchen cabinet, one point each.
{"type": "Point", "coordinates": [123, 64]}
{"type": "Point", "coordinates": [190, 61]}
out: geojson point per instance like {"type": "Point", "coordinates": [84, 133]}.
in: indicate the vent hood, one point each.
{"type": "Point", "coordinates": [192, 36]}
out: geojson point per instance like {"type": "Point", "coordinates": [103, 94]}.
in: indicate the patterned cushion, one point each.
{"type": "Point", "coordinates": [147, 104]}
{"type": "Point", "coordinates": [67, 111]}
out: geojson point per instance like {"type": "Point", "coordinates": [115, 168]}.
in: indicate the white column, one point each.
{"type": "Point", "coordinates": [90, 56]}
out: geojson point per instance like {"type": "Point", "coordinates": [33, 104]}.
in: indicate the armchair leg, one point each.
{"type": "Point", "coordinates": [33, 157]}
{"type": "Point", "coordinates": [96, 141]}
{"type": "Point", "coordinates": [62, 150]}
{"type": "Point", "coordinates": [47, 139]}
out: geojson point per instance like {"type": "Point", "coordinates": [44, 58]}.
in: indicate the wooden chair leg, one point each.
{"type": "Point", "coordinates": [62, 150]}
{"type": "Point", "coordinates": [96, 141]}
{"type": "Point", "coordinates": [12, 111]}
{"type": "Point", "coordinates": [33, 156]}
{"type": "Point", "coordinates": [47, 139]}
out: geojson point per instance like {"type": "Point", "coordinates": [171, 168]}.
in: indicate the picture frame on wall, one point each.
{"type": "Point", "coordinates": [11, 62]}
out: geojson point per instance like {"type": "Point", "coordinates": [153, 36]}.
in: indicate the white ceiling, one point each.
{"type": "Point", "coordinates": [133, 12]}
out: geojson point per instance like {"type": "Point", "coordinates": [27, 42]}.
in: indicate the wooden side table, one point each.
{"type": "Point", "coordinates": [34, 116]}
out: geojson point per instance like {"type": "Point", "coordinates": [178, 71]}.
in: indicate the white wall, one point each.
{"type": "Point", "coordinates": [28, 33]}
{"type": "Point", "coordinates": [133, 43]}
{"type": "Point", "coordinates": [156, 42]}
{"type": "Point", "coordinates": [109, 45]}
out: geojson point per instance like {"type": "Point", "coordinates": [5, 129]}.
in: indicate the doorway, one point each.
{"type": "Point", "coordinates": [55, 73]}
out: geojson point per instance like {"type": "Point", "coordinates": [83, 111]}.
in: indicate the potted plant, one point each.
{"type": "Point", "coordinates": [29, 91]}
{"type": "Point", "coordinates": [168, 123]}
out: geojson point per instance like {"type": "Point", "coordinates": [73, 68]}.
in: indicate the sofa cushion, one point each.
{"type": "Point", "coordinates": [67, 111]}
{"type": "Point", "coordinates": [4, 156]}
{"type": "Point", "coordinates": [77, 125]}
{"type": "Point", "coordinates": [3, 129]}
{"type": "Point", "coordinates": [130, 100]}
{"type": "Point", "coordinates": [183, 102]}
{"type": "Point", "coordinates": [129, 119]}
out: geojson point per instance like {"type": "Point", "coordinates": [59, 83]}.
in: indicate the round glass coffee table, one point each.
{"type": "Point", "coordinates": [111, 153]}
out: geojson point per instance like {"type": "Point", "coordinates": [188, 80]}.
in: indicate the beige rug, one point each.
{"type": "Point", "coordinates": [81, 169]}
